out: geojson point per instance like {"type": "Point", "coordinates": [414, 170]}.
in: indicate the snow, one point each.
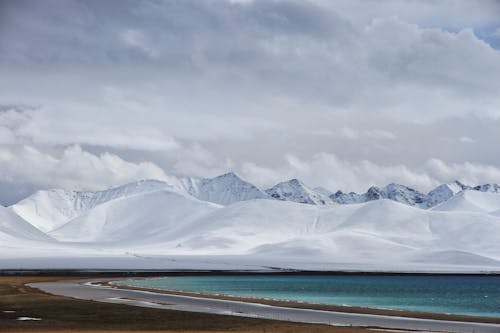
{"type": "Point", "coordinates": [444, 192]}
{"type": "Point", "coordinates": [296, 191]}
{"type": "Point", "coordinates": [151, 224]}
{"type": "Point", "coordinates": [28, 318]}
{"type": "Point", "coordinates": [406, 195]}
{"type": "Point", "coordinates": [50, 209]}
{"type": "Point", "coordinates": [346, 198]}
{"type": "Point", "coordinates": [395, 192]}
{"type": "Point", "coordinates": [469, 200]}
{"type": "Point", "coordinates": [225, 189]}
{"type": "Point", "coordinates": [322, 191]}
{"type": "Point", "coordinates": [12, 227]}
{"type": "Point", "coordinates": [135, 218]}
{"type": "Point", "coordinates": [403, 194]}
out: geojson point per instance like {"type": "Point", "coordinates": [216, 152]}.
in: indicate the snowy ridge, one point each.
{"type": "Point", "coordinates": [494, 188]}
{"type": "Point", "coordinates": [294, 190]}
{"type": "Point", "coordinates": [224, 189]}
{"type": "Point", "coordinates": [50, 209]}
{"type": "Point", "coordinates": [395, 192]}
{"type": "Point", "coordinates": [444, 192]}
{"type": "Point", "coordinates": [409, 196]}
{"type": "Point", "coordinates": [346, 198]}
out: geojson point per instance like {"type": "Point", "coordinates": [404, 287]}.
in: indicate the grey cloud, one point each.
{"type": "Point", "coordinates": [199, 87]}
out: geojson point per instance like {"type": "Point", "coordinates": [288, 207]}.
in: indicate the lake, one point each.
{"type": "Point", "coordinates": [469, 295]}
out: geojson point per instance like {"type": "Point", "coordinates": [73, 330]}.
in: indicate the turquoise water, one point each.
{"type": "Point", "coordinates": [469, 295]}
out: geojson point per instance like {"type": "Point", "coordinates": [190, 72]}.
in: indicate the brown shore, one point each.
{"type": "Point", "coordinates": [63, 314]}
{"type": "Point", "coordinates": [324, 307]}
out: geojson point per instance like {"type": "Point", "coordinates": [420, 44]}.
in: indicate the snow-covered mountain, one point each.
{"type": "Point", "coordinates": [370, 235]}
{"type": "Point", "coordinates": [472, 201]}
{"type": "Point", "coordinates": [136, 219]}
{"type": "Point", "coordinates": [296, 191]}
{"type": "Point", "coordinates": [224, 189]}
{"type": "Point", "coordinates": [403, 194]}
{"type": "Point", "coordinates": [409, 196]}
{"type": "Point", "coordinates": [395, 192]}
{"type": "Point", "coordinates": [444, 192]}
{"type": "Point", "coordinates": [49, 209]}
{"type": "Point", "coordinates": [322, 191]}
{"type": "Point", "coordinates": [150, 223]}
{"type": "Point", "coordinates": [346, 198]}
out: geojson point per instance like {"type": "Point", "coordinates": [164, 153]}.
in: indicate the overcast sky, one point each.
{"type": "Point", "coordinates": [344, 94]}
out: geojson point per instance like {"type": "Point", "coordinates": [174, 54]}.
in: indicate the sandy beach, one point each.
{"type": "Point", "coordinates": [87, 290]}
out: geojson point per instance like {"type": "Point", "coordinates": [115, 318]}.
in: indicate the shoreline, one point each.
{"type": "Point", "coordinates": [313, 306]}
{"type": "Point", "coordinates": [64, 314]}
{"type": "Point", "coordinates": [85, 290]}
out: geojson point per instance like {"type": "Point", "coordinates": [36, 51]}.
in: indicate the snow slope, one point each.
{"type": "Point", "coordinates": [472, 201]}
{"type": "Point", "coordinates": [15, 229]}
{"type": "Point", "coordinates": [171, 223]}
{"type": "Point", "coordinates": [140, 218]}
{"type": "Point", "coordinates": [50, 209]}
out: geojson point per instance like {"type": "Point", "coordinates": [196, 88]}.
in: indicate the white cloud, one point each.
{"type": "Point", "coordinates": [197, 161]}
{"type": "Point", "coordinates": [74, 168]}
{"type": "Point", "coordinates": [333, 173]}
{"type": "Point", "coordinates": [467, 172]}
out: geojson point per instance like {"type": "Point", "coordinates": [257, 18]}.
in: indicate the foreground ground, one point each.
{"type": "Point", "coordinates": [63, 314]}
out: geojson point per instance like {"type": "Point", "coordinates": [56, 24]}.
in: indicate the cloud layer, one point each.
{"type": "Point", "coordinates": [346, 94]}
{"type": "Point", "coordinates": [74, 168]}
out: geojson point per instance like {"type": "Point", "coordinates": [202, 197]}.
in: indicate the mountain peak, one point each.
{"type": "Point", "coordinates": [444, 192]}
{"type": "Point", "coordinates": [225, 189]}
{"type": "Point", "coordinates": [229, 174]}
{"type": "Point", "coordinates": [403, 194]}
{"type": "Point", "coordinates": [392, 191]}
{"type": "Point", "coordinates": [457, 186]}
{"type": "Point", "coordinates": [296, 191]}
{"type": "Point", "coordinates": [346, 198]}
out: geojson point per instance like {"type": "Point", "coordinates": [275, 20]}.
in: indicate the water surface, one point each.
{"type": "Point", "coordinates": [469, 295]}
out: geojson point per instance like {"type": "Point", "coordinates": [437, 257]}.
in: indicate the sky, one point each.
{"type": "Point", "coordinates": [342, 94]}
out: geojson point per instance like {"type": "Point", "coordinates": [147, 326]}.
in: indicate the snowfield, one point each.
{"type": "Point", "coordinates": [228, 223]}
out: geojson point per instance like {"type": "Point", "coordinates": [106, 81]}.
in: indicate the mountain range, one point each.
{"type": "Point", "coordinates": [228, 222]}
